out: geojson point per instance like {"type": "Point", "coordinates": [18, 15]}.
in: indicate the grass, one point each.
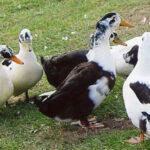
{"type": "Point", "coordinates": [22, 126]}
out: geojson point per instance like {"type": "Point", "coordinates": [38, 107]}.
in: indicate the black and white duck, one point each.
{"type": "Point", "coordinates": [88, 84]}
{"type": "Point", "coordinates": [6, 85]}
{"type": "Point", "coordinates": [136, 91]}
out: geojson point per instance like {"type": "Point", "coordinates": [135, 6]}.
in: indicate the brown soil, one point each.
{"type": "Point", "coordinates": [119, 124]}
{"type": "Point", "coordinates": [71, 133]}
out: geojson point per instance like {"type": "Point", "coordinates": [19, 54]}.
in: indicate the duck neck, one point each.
{"type": "Point", "coordinates": [26, 51]}
{"type": "Point", "coordinates": [144, 55]}
{"type": "Point", "coordinates": [25, 47]}
{"type": "Point", "coordinates": [100, 53]}
{"type": "Point", "coordinates": [143, 63]}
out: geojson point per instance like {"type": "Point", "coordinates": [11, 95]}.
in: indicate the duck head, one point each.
{"type": "Point", "coordinates": [25, 39]}
{"type": "Point", "coordinates": [113, 38]}
{"type": "Point", "coordinates": [106, 26]}
{"type": "Point", "coordinates": [25, 36]}
{"type": "Point", "coordinates": [114, 20]}
{"type": "Point", "coordinates": [7, 53]}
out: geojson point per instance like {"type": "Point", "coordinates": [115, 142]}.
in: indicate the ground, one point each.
{"type": "Point", "coordinates": [22, 126]}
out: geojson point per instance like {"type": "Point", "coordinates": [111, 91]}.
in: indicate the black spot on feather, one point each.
{"type": "Point", "coordinates": [26, 35]}
{"type": "Point", "coordinates": [142, 92]}
{"type": "Point", "coordinates": [132, 55]}
{"type": "Point", "coordinates": [109, 15]}
{"type": "Point", "coordinates": [146, 115]}
{"type": "Point", "coordinates": [6, 62]}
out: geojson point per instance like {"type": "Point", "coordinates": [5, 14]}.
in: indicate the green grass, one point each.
{"type": "Point", "coordinates": [22, 126]}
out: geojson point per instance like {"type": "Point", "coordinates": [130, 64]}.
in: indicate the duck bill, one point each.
{"type": "Point", "coordinates": [119, 41]}
{"type": "Point", "coordinates": [126, 24]}
{"type": "Point", "coordinates": [16, 60]}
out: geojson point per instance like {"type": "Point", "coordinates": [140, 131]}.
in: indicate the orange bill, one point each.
{"type": "Point", "coordinates": [124, 23]}
{"type": "Point", "coordinates": [119, 41]}
{"type": "Point", "coordinates": [17, 60]}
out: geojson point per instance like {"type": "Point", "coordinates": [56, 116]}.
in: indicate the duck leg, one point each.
{"type": "Point", "coordinates": [85, 123]}
{"type": "Point", "coordinates": [27, 97]}
{"type": "Point", "coordinates": [92, 121]}
{"type": "Point", "coordinates": [136, 140]}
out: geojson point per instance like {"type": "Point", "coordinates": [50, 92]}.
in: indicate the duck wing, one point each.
{"type": "Point", "coordinates": [71, 96]}
{"type": "Point", "coordinates": [58, 67]}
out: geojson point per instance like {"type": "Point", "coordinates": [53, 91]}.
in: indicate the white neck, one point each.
{"type": "Point", "coordinates": [26, 51]}
{"type": "Point", "coordinates": [143, 64]}
{"type": "Point", "coordinates": [25, 46]}
{"type": "Point", "coordinates": [101, 53]}
{"type": "Point", "coordinates": [144, 53]}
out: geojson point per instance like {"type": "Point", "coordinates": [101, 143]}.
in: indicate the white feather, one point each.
{"type": "Point", "coordinates": [141, 73]}
{"type": "Point", "coordinates": [25, 76]}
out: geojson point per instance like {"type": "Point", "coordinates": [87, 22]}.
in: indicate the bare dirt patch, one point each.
{"type": "Point", "coordinates": [73, 134]}
{"type": "Point", "coordinates": [118, 124]}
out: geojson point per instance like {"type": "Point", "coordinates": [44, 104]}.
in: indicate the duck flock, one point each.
{"type": "Point", "coordinates": [83, 78]}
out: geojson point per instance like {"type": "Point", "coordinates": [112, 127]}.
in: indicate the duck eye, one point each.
{"type": "Point", "coordinates": [111, 36]}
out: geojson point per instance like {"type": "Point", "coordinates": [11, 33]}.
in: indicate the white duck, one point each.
{"type": "Point", "coordinates": [136, 91]}
{"type": "Point", "coordinates": [5, 83]}
{"type": "Point", "coordinates": [123, 68]}
{"type": "Point", "coordinates": [26, 76]}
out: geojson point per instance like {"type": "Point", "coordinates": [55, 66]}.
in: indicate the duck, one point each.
{"type": "Point", "coordinates": [88, 84]}
{"type": "Point", "coordinates": [6, 85]}
{"type": "Point", "coordinates": [26, 76]}
{"type": "Point", "coordinates": [136, 91]}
